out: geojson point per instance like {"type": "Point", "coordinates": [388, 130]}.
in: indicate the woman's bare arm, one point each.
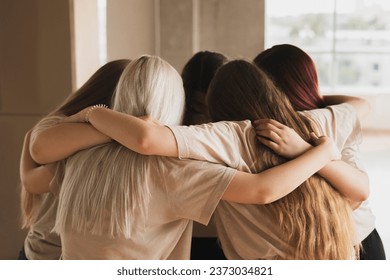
{"type": "Point", "coordinates": [35, 178]}
{"type": "Point", "coordinates": [139, 135]}
{"type": "Point", "coordinates": [269, 185]}
{"type": "Point", "coordinates": [348, 180]}
{"type": "Point", "coordinates": [64, 139]}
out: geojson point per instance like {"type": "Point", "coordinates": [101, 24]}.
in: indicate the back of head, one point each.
{"type": "Point", "coordinates": [105, 188]}
{"type": "Point", "coordinates": [294, 72]}
{"type": "Point", "coordinates": [241, 91]}
{"type": "Point", "coordinates": [150, 86]}
{"type": "Point", "coordinates": [197, 75]}
{"type": "Point", "coordinates": [315, 219]}
{"type": "Point", "coordinates": [98, 89]}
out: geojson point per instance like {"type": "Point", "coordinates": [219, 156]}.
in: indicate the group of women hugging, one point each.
{"type": "Point", "coordinates": [129, 161]}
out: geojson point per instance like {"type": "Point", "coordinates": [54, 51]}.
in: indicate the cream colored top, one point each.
{"type": "Point", "coordinates": [341, 123]}
{"type": "Point", "coordinates": [40, 242]}
{"type": "Point", "coordinates": [181, 191]}
{"type": "Point", "coordinates": [248, 231]}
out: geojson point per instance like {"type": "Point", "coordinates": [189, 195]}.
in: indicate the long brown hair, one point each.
{"type": "Point", "coordinates": [315, 220]}
{"type": "Point", "coordinates": [98, 89]}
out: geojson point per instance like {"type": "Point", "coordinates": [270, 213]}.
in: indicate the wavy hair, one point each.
{"type": "Point", "coordinates": [315, 220]}
{"type": "Point", "coordinates": [104, 187]}
{"type": "Point", "coordinates": [294, 72]}
{"type": "Point", "coordinates": [98, 89]}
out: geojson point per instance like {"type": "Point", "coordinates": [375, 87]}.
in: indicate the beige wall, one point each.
{"type": "Point", "coordinates": [35, 74]}
{"type": "Point", "coordinates": [130, 28]}
{"type": "Point", "coordinates": [234, 28]}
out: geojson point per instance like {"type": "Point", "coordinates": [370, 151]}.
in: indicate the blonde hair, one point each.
{"type": "Point", "coordinates": [315, 220]}
{"type": "Point", "coordinates": [29, 206]}
{"type": "Point", "coordinates": [105, 187]}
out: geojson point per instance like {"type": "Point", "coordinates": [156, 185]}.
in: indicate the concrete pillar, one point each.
{"type": "Point", "coordinates": [130, 28]}
{"type": "Point", "coordinates": [234, 28]}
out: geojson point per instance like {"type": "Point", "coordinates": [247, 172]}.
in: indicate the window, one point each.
{"type": "Point", "coordinates": [349, 40]}
{"type": "Point", "coordinates": [102, 21]}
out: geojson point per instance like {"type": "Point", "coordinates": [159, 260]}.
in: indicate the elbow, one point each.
{"type": "Point", "coordinates": [365, 193]}
{"type": "Point", "coordinates": [362, 196]}
{"type": "Point", "coordinates": [150, 140]}
{"type": "Point", "coordinates": [36, 151]}
{"type": "Point", "coordinates": [263, 198]}
{"type": "Point", "coordinates": [28, 187]}
{"type": "Point", "coordinates": [144, 144]}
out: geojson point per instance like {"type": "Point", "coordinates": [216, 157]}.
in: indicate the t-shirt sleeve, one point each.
{"type": "Point", "coordinates": [342, 124]}
{"type": "Point", "coordinates": [219, 142]}
{"type": "Point", "coordinates": [202, 185]}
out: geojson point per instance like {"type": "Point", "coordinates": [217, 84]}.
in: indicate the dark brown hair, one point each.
{"type": "Point", "coordinates": [197, 75]}
{"type": "Point", "coordinates": [98, 89]}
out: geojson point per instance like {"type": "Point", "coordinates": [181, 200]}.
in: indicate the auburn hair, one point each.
{"type": "Point", "coordinates": [294, 72]}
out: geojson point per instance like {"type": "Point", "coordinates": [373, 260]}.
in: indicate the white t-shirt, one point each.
{"type": "Point", "coordinates": [249, 231]}
{"type": "Point", "coordinates": [341, 123]}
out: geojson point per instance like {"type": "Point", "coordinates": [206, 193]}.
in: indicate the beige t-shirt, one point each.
{"type": "Point", "coordinates": [181, 191]}
{"type": "Point", "coordinates": [248, 231]}
{"type": "Point", "coordinates": [40, 242]}
{"type": "Point", "coordinates": [341, 123]}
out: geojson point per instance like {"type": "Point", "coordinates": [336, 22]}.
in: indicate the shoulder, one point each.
{"type": "Point", "coordinates": [335, 115]}
{"type": "Point", "coordinates": [339, 121]}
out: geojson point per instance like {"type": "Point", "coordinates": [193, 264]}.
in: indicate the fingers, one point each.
{"type": "Point", "coordinates": [317, 139]}
{"type": "Point", "coordinates": [313, 136]}
{"type": "Point", "coordinates": [270, 121]}
{"type": "Point", "coordinates": [270, 144]}
{"type": "Point", "coordinates": [266, 125]}
{"type": "Point", "coordinates": [270, 134]}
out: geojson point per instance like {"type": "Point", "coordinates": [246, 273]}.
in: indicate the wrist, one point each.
{"type": "Point", "coordinates": [91, 109]}
{"type": "Point", "coordinates": [332, 151]}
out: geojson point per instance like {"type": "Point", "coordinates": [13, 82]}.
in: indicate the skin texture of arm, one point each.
{"type": "Point", "coordinates": [35, 178]}
{"type": "Point", "coordinates": [348, 180]}
{"type": "Point", "coordinates": [146, 137]}
{"type": "Point", "coordinates": [62, 140]}
{"type": "Point", "coordinates": [268, 186]}
{"type": "Point", "coordinates": [139, 135]}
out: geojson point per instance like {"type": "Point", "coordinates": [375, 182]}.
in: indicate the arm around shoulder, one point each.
{"type": "Point", "coordinates": [62, 140]}
{"type": "Point", "coordinates": [142, 135]}
{"type": "Point", "coordinates": [278, 181]}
